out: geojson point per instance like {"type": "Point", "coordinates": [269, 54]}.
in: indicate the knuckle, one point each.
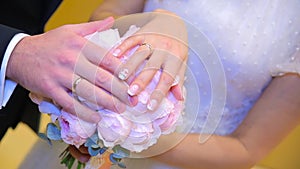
{"type": "Point", "coordinates": [102, 78]}
{"type": "Point", "coordinates": [89, 93]}
{"type": "Point", "coordinates": [167, 80]}
{"type": "Point", "coordinates": [67, 59]}
{"type": "Point", "coordinates": [129, 42]}
{"type": "Point", "coordinates": [106, 62]}
{"type": "Point", "coordinates": [48, 87]}
{"type": "Point", "coordinates": [68, 106]}
{"type": "Point", "coordinates": [166, 44]}
{"type": "Point", "coordinates": [75, 42]}
{"type": "Point", "coordinates": [105, 101]}
{"type": "Point", "coordinates": [141, 81]}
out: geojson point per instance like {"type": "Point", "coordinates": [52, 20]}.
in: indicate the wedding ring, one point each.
{"type": "Point", "coordinates": [149, 47]}
{"type": "Point", "coordinates": [74, 85]}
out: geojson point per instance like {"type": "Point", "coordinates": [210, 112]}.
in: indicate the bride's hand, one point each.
{"type": "Point", "coordinates": [162, 49]}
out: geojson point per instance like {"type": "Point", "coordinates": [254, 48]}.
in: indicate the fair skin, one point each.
{"type": "Point", "coordinates": [170, 46]}
{"type": "Point", "coordinates": [58, 57]}
{"type": "Point", "coordinates": [273, 116]}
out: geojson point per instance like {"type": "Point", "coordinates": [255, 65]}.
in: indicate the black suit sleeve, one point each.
{"type": "Point", "coordinates": [29, 16]}
{"type": "Point", "coordinates": [6, 34]}
{"type": "Point", "coordinates": [19, 107]}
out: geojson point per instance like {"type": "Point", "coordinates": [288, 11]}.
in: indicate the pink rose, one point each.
{"type": "Point", "coordinates": [169, 122]}
{"type": "Point", "coordinates": [113, 129]}
{"type": "Point", "coordinates": [73, 130]}
{"type": "Point", "coordinates": [137, 129]}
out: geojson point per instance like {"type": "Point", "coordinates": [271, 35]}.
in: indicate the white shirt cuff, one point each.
{"type": "Point", "coordinates": [8, 86]}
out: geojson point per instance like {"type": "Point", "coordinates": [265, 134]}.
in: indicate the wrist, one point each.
{"type": "Point", "coordinates": [15, 59]}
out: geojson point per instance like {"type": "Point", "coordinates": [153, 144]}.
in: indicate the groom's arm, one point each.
{"type": "Point", "coordinates": [9, 38]}
{"type": "Point", "coordinates": [19, 103]}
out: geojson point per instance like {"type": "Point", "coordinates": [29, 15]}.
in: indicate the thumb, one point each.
{"type": "Point", "coordinates": [91, 27]}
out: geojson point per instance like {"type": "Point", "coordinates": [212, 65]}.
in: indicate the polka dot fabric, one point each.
{"type": "Point", "coordinates": [255, 40]}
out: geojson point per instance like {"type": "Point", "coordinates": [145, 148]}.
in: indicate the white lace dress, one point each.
{"type": "Point", "coordinates": [236, 47]}
{"type": "Point", "coordinates": [254, 40]}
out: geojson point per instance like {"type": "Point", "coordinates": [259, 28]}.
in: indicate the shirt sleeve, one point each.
{"type": "Point", "coordinates": [7, 86]}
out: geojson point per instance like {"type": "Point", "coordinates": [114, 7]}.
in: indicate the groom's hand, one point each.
{"type": "Point", "coordinates": [51, 64]}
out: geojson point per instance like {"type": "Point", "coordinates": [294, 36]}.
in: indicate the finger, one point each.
{"type": "Point", "coordinates": [98, 96]}
{"type": "Point", "coordinates": [146, 75]}
{"type": "Point", "coordinates": [99, 56]}
{"type": "Point", "coordinates": [82, 157]}
{"type": "Point", "coordinates": [133, 63]}
{"type": "Point", "coordinates": [103, 79]}
{"type": "Point", "coordinates": [70, 105]}
{"type": "Point", "coordinates": [91, 27]}
{"type": "Point", "coordinates": [160, 91]}
{"type": "Point", "coordinates": [167, 78]}
{"type": "Point", "coordinates": [177, 89]}
{"type": "Point", "coordinates": [127, 44]}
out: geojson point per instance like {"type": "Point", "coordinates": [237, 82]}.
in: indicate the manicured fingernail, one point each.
{"type": "Point", "coordinates": [133, 89]}
{"type": "Point", "coordinates": [116, 52]}
{"type": "Point", "coordinates": [123, 74]}
{"type": "Point", "coordinates": [152, 104]}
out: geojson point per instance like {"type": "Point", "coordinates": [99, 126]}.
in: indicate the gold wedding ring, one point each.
{"type": "Point", "coordinates": [74, 85]}
{"type": "Point", "coordinates": [149, 46]}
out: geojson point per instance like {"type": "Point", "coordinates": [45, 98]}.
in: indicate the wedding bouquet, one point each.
{"type": "Point", "coordinates": [115, 135]}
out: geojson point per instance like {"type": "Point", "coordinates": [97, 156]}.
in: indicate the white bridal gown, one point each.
{"type": "Point", "coordinates": [250, 41]}
{"type": "Point", "coordinates": [255, 41]}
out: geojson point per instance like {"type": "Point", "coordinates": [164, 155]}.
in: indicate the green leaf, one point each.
{"type": "Point", "coordinates": [120, 151]}
{"type": "Point", "coordinates": [79, 164]}
{"type": "Point", "coordinates": [53, 132]}
{"type": "Point", "coordinates": [71, 162]}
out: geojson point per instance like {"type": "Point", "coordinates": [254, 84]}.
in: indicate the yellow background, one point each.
{"type": "Point", "coordinates": [16, 143]}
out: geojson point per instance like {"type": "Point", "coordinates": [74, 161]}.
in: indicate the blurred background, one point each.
{"type": "Point", "coordinates": [17, 143]}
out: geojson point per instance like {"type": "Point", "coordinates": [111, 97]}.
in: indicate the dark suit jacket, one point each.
{"type": "Point", "coordinates": [17, 16]}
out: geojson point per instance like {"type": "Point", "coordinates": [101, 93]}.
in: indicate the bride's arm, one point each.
{"type": "Point", "coordinates": [275, 114]}
{"type": "Point", "coordinates": [117, 8]}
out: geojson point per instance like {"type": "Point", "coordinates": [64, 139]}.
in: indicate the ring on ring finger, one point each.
{"type": "Point", "coordinates": [74, 85]}
{"type": "Point", "coordinates": [149, 46]}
